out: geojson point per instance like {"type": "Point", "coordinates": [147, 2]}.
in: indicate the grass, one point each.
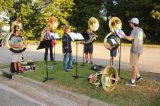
{"type": "Point", "coordinates": [146, 93]}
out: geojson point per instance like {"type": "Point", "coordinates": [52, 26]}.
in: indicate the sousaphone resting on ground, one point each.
{"type": "Point", "coordinates": [109, 76]}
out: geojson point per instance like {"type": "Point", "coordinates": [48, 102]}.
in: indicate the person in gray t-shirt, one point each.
{"type": "Point", "coordinates": [16, 43]}
{"type": "Point", "coordinates": [137, 35]}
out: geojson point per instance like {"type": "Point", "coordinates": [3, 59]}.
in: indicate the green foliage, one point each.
{"type": "Point", "coordinates": [35, 14]}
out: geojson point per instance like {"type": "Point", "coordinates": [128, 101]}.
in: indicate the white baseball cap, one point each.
{"type": "Point", "coordinates": [134, 20]}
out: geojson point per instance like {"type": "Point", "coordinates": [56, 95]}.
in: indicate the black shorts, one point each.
{"type": "Point", "coordinates": [88, 49]}
{"type": "Point", "coordinates": [113, 52]}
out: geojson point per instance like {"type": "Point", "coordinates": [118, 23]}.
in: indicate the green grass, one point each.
{"type": "Point", "coordinates": [146, 93]}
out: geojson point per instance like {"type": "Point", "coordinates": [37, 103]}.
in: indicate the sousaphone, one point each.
{"type": "Point", "coordinates": [93, 25]}
{"type": "Point", "coordinates": [52, 25]}
{"type": "Point", "coordinates": [17, 25]}
{"type": "Point", "coordinates": [111, 40]}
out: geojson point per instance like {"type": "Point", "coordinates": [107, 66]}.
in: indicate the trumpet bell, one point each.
{"type": "Point", "coordinates": [109, 78]}
{"type": "Point", "coordinates": [115, 23]}
{"type": "Point", "coordinates": [93, 24]}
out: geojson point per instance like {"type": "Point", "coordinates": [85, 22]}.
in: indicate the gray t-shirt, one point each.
{"type": "Point", "coordinates": [17, 41]}
{"type": "Point", "coordinates": [137, 43]}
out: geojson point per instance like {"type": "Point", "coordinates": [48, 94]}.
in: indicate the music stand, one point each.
{"type": "Point", "coordinates": [46, 62]}
{"type": "Point", "coordinates": [120, 34]}
{"type": "Point", "coordinates": [76, 37]}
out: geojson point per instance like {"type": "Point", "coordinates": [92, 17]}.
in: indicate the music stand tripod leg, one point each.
{"type": "Point", "coordinates": [76, 76]}
{"type": "Point", "coordinates": [46, 78]}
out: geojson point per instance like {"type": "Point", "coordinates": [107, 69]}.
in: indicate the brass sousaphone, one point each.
{"type": "Point", "coordinates": [16, 25]}
{"type": "Point", "coordinates": [114, 24]}
{"type": "Point", "coordinates": [93, 24]}
{"type": "Point", "coordinates": [110, 75]}
{"type": "Point", "coordinates": [52, 25]}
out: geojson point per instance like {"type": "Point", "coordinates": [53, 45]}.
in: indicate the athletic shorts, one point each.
{"type": "Point", "coordinates": [113, 52]}
{"type": "Point", "coordinates": [134, 59]}
{"type": "Point", "coordinates": [88, 49]}
{"type": "Point", "coordinates": [16, 57]}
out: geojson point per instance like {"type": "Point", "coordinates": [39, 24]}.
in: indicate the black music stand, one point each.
{"type": "Point", "coordinates": [43, 44]}
{"type": "Point", "coordinates": [46, 63]}
{"type": "Point", "coordinates": [118, 33]}
{"type": "Point", "coordinates": [76, 37]}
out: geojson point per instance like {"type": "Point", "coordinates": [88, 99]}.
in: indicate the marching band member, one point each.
{"type": "Point", "coordinates": [137, 35]}
{"type": "Point", "coordinates": [16, 57]}
{"type": "Point", "coordinates": [88, 45]}
{"type": "Point", "coordinates": [67, 49]}
{"type": "Point", "coordinates": [113, 51]}
{"type": "Point", "coordinates": [48, 37]}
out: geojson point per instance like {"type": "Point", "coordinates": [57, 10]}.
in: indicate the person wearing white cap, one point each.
{"type": "Point", "coordinates": [136, 36]}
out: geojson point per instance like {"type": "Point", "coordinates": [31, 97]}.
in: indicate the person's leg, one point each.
{"type": "Point", "coordinates": [65, 61]}
{"type": "Point", "coordinates": [134, 63]}
{"type": "Point", "coordinates": [113, 54]}
{"type": "Point", "coordinates": [86, 57]}
{"type": "Point", "coordinates": [70, 61]}
{"type": "Point", "coordinates": [90, 56]}
{"type": "Point", "coordinates": [14, 61]}
{"type": "Point", "coordinates": [51, 53]}
{"type": "Point", "coordinates": [111, 60]}
{"type": "Point", "coordinates": [15, 66]}
{"type": "Point", "coordinates": [134, 73]}
{"type": "Point", "coordinates": [91, 53]}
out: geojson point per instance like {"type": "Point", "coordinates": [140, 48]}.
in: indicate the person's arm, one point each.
{"type": "Point", "coordinates": [130, 38]}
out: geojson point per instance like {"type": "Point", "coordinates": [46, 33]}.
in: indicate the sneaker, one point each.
{"type": "Point", "coordinates": [66, 70]}
{"type": "Point", "coordinates": [130, 83]}
{"type": "Point", "coordinates": [86, 62]}
{"type": "Point", "coordinates": [139, 79]}
{"type": "Point", "coordinates": [70, 68]}
{"type": "Point", "coordinates": [91, 62]}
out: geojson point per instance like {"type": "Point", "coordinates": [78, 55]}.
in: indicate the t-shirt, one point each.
{"type": "Point", "coordinates": [137, 43]}
{"type": "Point", "coordinates": [16, 41]}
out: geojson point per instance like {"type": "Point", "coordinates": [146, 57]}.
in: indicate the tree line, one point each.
{"type": "Point", "coordinates": [34, 15]}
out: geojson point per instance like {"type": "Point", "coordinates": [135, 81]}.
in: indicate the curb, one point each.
{"type": "Point", "coordinates": [79, 98]}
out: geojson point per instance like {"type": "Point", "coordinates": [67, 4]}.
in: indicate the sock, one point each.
{"type": "Point", "coordinates": [133, 81]}
{"type": "Point", "coordinates": [138, 75]}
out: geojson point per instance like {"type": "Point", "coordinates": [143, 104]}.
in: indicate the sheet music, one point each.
{"type": "Point", "coordinates": [113, 41]}
{"type": "Point", "coordinates": [120, 33]}
{"type": "Point", "coordinates": [54, 35]}
{"type": "Point", "coordinates": [76, 36]}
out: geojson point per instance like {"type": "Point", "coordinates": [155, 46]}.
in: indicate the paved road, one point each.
{"type": "Point", "coordinates": [149, 61]}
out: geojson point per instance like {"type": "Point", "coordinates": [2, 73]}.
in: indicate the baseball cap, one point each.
{"type": "Point", "coordinates": [134, 20]}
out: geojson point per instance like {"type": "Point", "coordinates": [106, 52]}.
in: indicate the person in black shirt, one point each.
{"type": "Point", "coordinates": [48, 37]}
{"type": "Point", "coordinates": [88, 45]}
{"type": "Point", "coordinates": [67, 49]}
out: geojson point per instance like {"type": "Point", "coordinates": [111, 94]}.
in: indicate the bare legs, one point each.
{"type": "Point", "coordinates": [90, 57]}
